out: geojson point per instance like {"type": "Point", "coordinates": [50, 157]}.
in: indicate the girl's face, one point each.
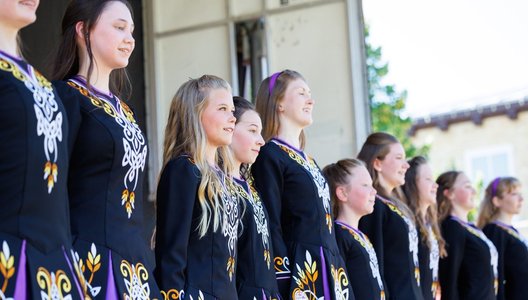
{"type": "Point", "coordinates": [16, 14]}
{"type": "Point", "coordinates": [392, 168]}
{"type": "Point", "coordinates": [217, 118]}
{"type": "Point", "coordinates": [511, 202]}
{"type": "Point", "coordinates": [111, 37]}
{"type": "Point", "coordinates": [462, 193]}
{"type": "Point", "coordinates": [297, 104]}
{"type": "Point", "coordinates": [426, 185]}
{"type": "Point", "coordinates": [358, 192]}
{"type": "Point", "coordinates": [247, 138]}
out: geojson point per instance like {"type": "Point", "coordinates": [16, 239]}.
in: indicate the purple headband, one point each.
{"type": "Point", "coordinates": [494, 186]}
{"type": "Point", "coordinates": [272, 81]}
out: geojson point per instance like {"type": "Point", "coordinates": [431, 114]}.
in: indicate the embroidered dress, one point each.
{"type": "Point", "coordinates": [361, 262]}
{"type": "Point", "coordinates": [255, 274]}
{"type": "Point", "coordinates": [307, 260]}
{"type": "Point", "coordinates": [189, 266]}
{"type": "Point", "coordinates": [107, 169]}
{"type": "Point", "coordinates": [395, 240]}
{"type": "Point", "coordinates": [429, 259]}
{"type": "Point", "coordinates": [35, 240]}
{"type": "Point", "coordinates": [468, 271]}
{"type": "Point", "coordinates": [512, 248]}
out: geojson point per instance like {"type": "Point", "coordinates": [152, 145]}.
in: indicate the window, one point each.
{"type": "Point", "coordinates": [483, 165]}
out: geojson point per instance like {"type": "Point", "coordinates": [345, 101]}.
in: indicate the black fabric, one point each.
{"type": "Point", "coordinates": [255, 275]}
{"type": "Point", "coordinates": [301, 230]}
{"type": "Point", "coordinates": [466, 272]}
{"type": "Point", "coordinates": [389, 235]}
{"type": "Point", "coordinates": [185, 262]}
{"type": "Point", "coordinates": [426, 271]}
{"type": "Point", "coordinates": [33, 174]}
{"type": "Point", "coordinates": [358, 264]}
{"type": "Point", "coordinates": [107, 167]}
{"type": "Point", "coordinates": [513, 261]}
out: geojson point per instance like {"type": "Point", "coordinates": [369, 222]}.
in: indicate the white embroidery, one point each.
{"type": "Point", "coordinates": [434, 254]}
{"type": "Point", "coordinates": [230, 221]}
{"type": "Point", "coordinates": [49, 122]}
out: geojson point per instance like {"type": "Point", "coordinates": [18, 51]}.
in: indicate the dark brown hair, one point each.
{"type": "Point", "coordinates": [241, 107]}
{"type": "Point", "coordinates": [445, 182]}
{"type": "Point", "coordinates": [67, 64]}
{"type": "Point", "coordinates": [267, 104]}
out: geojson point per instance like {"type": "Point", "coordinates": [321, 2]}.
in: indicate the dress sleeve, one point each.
{"type": "Point", "coordinates": [268, 173]}
{"type": "Point", "coordinates": [71, 100]}
{"type": "Point", "coordinates": [372, 225]}
{"type": "Point", "coordinates": [455, 237]}
{"type": "Point", "coordinates": [176, 196]}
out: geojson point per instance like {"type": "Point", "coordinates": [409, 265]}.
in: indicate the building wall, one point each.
{"type": "Point", "coordinates": [454, 148]}
{"type": "Point", "coordinates": [322, 39]}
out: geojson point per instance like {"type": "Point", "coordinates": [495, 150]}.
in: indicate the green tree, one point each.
{"type": "Point", "coordinates": [386, 102]}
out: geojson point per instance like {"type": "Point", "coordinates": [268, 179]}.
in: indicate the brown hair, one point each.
{"type": "Point", "coordinates": [497, 188]}
{"type": "Point", "coordinates": [241, 107]}
{"type": "Point", "coordinates": [67, 60]}
{"type": "Point", "coordinates": [410, 190]}
{"type": "Point", "coordinates": [377, 146]}
{"type": "Point", "coordinates": [267, 104]}
{"type": "Point", "coordinates": [336, 174]}
{"type": "Point", "coordinates": [445, 182]}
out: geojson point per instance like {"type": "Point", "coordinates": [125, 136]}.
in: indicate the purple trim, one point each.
{"type": "Point", "coordinates": [21, 288]}
{"type": "Point", "coordinates": [272, 81]}
{"type": "Point", "coordinates": [326, 289]}
{"type": "Point", "coordinates": [299, 151]}
{"type": "Point", "coordinates": [111, 290]}
{"type": "Point", "coordinates": [361, 234]}
{"type": "Point", "coordinates": [494, 186]}
{"type": "Point", "coordinates": [81, 294]}
{"type": "Point", "coordinates": [263, 295]}
{"type": "Point", "coordinates": [98, 92]}
{"type": "Point", "coordinates": [13, 57]}
{"type": "Point", "coordinates": [283, 277]}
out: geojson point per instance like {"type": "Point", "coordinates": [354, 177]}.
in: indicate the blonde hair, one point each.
{"type": "Point", "coordinates": [497, 188]}
{"type": "Point", "coordinates": [267, 103]}
{"type": "Point", "coordinates": [411, 192]}
{"type": "Point", "coordinates": [337, 174]}
{"type": "Point", "coordinates": [185, 135]}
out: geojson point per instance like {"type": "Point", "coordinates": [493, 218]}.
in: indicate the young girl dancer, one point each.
{"type": "Point", "coordinates": [469, 271]}
{"type": "Point", "coordinates": [255, 271]}
{"type": "Point", "coordinates": [503, 200]}
{"type": "Point", "coordinates": [198, 212]}
{"type": "Point", "coordinates": [353, 197]}
{"type": "Point", "coordinates": [35, 240]}
{"type": "Point", "coordinates": [420, 192]}
{"type": "Point", "coordinates": [296, 195]}
{"type": "Point", "coordinates": [391, 226]}
{"type": "Point", "coordinates": [108, 151]}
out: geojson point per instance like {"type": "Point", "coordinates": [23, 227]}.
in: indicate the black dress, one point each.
{"type": "Point", "coordinates": [470, 269]}
{"type": "Point", "coordinates": [255, 274]}
{"type": "Point", "coordinates": [36, 257]}
{"type": "Point", "coordinates": [297, 198]}
{"type": "Point", "coordinates": [429, 259]}
{"type": "Point", "coordinates": [188, 265]}
{"type": "Point", "coordinates": [513, 260]}
{"type": "Point", "coordinates": [395, 240]}
{"type": "Point", "coordinates": [361, 262]}
{"type": "Point", "coordinates": [107, 168]}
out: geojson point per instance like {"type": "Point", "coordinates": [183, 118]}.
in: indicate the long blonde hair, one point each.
{"type": "Point", "coordinates": [268, 99]}
{"type": "Point", "coordinates": [185, 135]}
{"type": "Point", "coordinates": [411, 192]}
{"type": "Point", "coordinates": [497, 188]}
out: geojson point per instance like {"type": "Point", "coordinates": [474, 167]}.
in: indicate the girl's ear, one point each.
{"type": "Point", "coordinates": [79, 31]}
{"type": "Point", "coordinates": [341, 193]}
{"type": "Point", "coordinates": [447, 194]}
{"type": "Point", "coordinates": [496, 201]}
{"type": "Point", "coordinates": [376, 164]}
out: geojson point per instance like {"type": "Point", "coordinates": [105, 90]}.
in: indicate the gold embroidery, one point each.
{"type": "Point", "coordinates": [340, 283]}
{"type": "Point", "coordinates": [7, 265]}
{"type": "Point", "coordinates": [53, 286]}
{"type": "Point", "coordinates": [128, 199]}
{"type": "Point", "coordinates": [306, 280]}
{"type": "Point", "coordinates": [172, 294]}
{"type": "Point", "coordinates": [282, 265]}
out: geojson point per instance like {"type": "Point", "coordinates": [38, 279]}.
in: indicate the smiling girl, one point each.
{"type": "Point", "coordinates": [420, 193]}
{"type": "Point", "coordinates": [197, 207]}
{"type": "Point", "coordinates": [502, 201]}
{"type": "Point", "coordinates": [469, 271]}
{"type": "Point", "coordinates": [391, 226]}
{"type": "Point", "coordinates": [108, 150]}
{"type": "Point", "coordinates": [296, 195]}
{"type": "Point", "coordinates": [35, 240]}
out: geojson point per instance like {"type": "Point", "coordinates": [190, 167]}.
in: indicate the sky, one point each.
{"type": "Point", "coordinates": [452, 54]}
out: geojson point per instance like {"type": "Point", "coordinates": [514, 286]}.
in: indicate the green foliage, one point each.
{"type": "Point", "coordinates": [387, 103]}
